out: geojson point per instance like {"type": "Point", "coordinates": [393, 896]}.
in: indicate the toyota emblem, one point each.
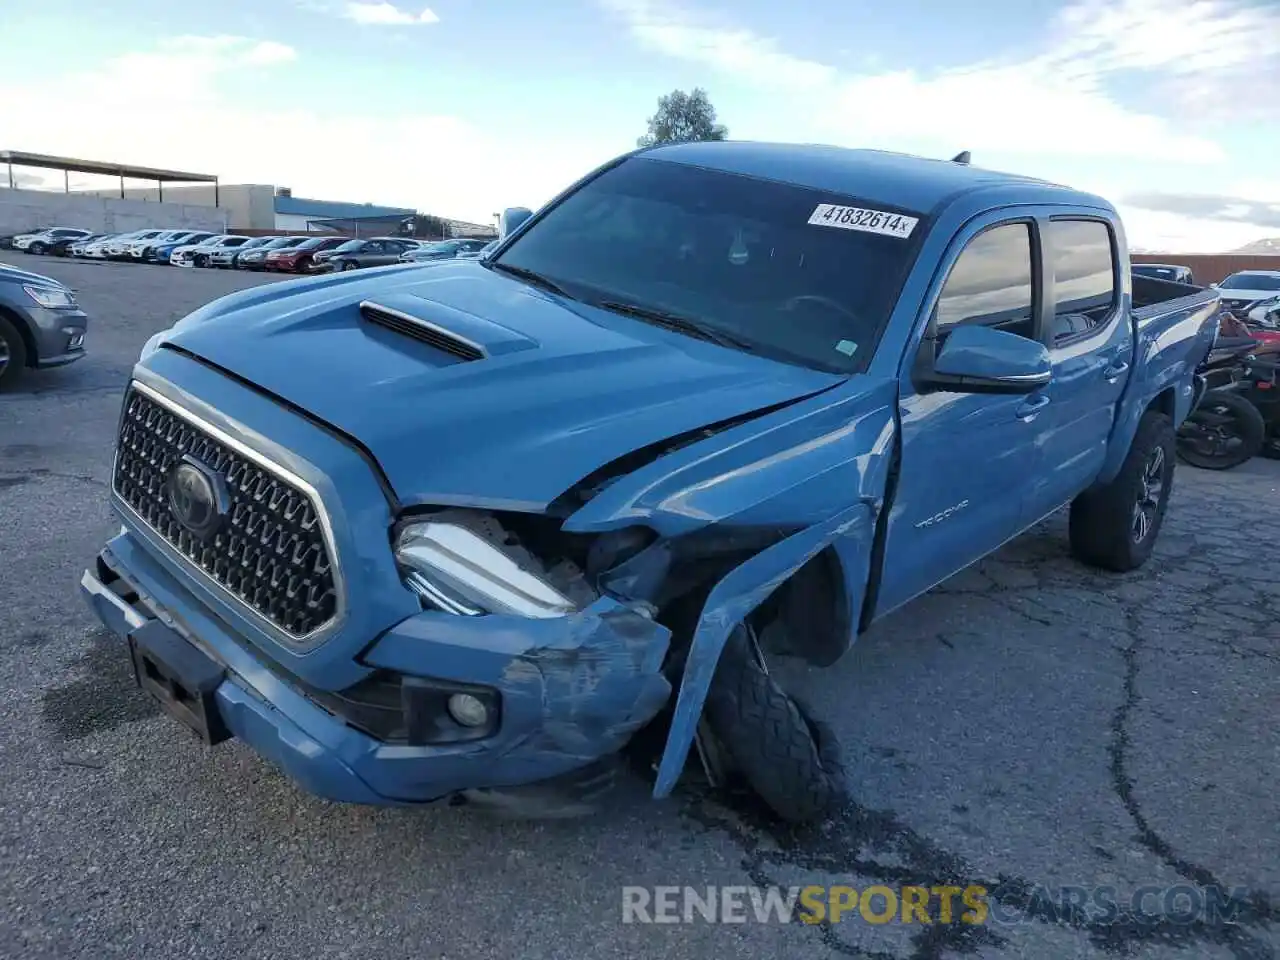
{"type": "Point", "coordinates": [197, 497]}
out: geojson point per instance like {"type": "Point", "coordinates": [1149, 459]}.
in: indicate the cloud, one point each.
{"type": "Point", "coordinates": [702, 39]}
{"type": "Point", "coordinates": [1209, 207]}
{"type": "Point", "coordinates": [440, 164]}
{"type": "Point", "coordinates": [387, 15]}
{"type": "Point", "coordinates": [1051, 100]}
{"type": "Point", "coordinates": [1211, 58]}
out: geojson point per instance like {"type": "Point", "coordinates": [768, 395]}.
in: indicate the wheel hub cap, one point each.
{"type": "Point", "coordinates": [1150, 492]}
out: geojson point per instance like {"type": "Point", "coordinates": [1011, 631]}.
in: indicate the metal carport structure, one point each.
{"type": "Point", "coordinates": [69, 165]}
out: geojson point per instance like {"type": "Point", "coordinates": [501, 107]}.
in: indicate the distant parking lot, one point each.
{"type": "Point", "coordinates": [1030, 726]}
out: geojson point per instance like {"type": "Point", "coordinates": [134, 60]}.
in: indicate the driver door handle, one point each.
{"type": "Point", "coordinates": [1031, 409]}
{"type": "Point", "coordinates": [1112, 373]}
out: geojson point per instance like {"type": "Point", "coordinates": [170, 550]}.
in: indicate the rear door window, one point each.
{"type": "Point", "coordinates": [1081, 261]}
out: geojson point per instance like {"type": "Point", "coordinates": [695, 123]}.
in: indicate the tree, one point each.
{"type": "Point", "coordinates": [683, 117]}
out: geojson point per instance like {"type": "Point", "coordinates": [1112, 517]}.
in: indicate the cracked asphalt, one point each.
{"type": "Point", "coordinates": [1030, 725]}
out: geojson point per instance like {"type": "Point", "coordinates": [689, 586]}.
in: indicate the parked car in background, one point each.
{"type": "Point", "coordinates": [480, 254]}
{"type": "Point", "coordinates": [1165, 271]}
{"type": "Point", "coordinates": [224, 257]}
{"type": "Point", "coordinates": [1252, 294]}
{"type": "Point", "coordinates": [138, 248]}
{"type": "Point", "coordinates": [63, 245]}
{"type": "Point", "coordinates": [256, 258]}
{"type": "Point", "coordinates": [96, 249]}
{"type": "Point", "coordinates": [161, 252]}
{"type": "Point", "coordinates": [120, 247]}
{"type": "Point", "coordinates": [372, 252]}
{"type": "Point", "coordinates": [197, 255]}
{"type": "Point", "coordinates": [41, 325]}
{"type": "Point", "coordinates": [39, 243]}
{"type": "Point", "coordinates": [301, 258]}
{"type": "Point", "coordinates": [443, 250]}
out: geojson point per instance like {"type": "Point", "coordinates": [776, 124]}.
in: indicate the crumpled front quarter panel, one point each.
{"type": "Point", "coordinates": [793, 468]}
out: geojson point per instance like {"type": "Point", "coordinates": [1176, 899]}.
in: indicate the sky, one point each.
{"type": "Point", "coordinates": [1169, 108]}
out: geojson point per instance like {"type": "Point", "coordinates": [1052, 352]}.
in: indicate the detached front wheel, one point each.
{"type": "Point", "coordinates": [787, 758]}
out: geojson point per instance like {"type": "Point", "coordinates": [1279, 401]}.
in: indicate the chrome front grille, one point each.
{"type": "Point", "coordinates": [271, 552]}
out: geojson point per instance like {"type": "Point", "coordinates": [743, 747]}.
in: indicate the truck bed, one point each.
{"type": "Point", "coordinates": [1153, 297]}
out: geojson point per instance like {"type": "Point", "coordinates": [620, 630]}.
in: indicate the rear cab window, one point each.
{"type": "Point", "coordinates": [1081, 263]}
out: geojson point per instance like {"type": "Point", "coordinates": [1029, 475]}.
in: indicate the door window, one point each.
{"type": "Point", "coordinates": [1082, 260]}
{"type": "Point", "coordinates": [991, 283]}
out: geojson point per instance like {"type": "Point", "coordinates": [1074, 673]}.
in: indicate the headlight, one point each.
{"type": "Point", "coordinates": [51, 296]}
{"type": "Point", "coordinates": [462, 572]}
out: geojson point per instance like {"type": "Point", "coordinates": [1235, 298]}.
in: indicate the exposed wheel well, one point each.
{"type": "Point", "coordinates": [808, 616]}
{"type": "Point", "coordinates": [24, 332]}
{"type": "Point", "coordinates": [1165, 402]}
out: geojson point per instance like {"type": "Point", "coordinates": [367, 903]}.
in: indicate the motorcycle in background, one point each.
{"type": "Point", "coordinates": [1227, 426]}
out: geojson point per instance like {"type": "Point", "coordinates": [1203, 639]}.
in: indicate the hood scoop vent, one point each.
{"type": "Point", "coordinates": [423, 331]}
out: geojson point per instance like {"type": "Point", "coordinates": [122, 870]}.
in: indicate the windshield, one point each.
{"type": "Point", "coordinates": [311, 244]}
{"type": "Point", "coordinates": [796, 274]}
{"type": "Point", "coordinates": [440, 246]}
{"type": "Point", "coordinates": [350, 246]}
{"type": "Point", "coordinates": [279, 242]}
{"type": "Point", "coordinates": [1251, 281]}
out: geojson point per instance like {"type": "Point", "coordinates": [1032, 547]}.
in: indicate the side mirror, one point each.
{"type": "Point", "coordinates": [975, 359]}
{"type": "Point", "coordinates": [511, 219]}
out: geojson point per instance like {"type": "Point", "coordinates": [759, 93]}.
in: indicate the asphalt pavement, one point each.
{"type": "Point", "coordinates": [1027, 727]}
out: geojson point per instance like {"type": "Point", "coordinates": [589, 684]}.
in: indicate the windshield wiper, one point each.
{"type": "Point", "coordinates": [532, 276]}
{"type": "Point", "coordinates": [674, 321]}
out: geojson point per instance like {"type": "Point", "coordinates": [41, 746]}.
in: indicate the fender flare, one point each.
{"type": "Point", "coordinates": [731, 600]}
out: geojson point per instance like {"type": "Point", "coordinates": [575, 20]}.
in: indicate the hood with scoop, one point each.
{"type": "Point", "coordinates": [469, 386]}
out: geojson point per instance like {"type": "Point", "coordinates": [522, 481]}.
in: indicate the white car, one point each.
{"type": "Point", "coordinates": [118, 247]}
{"type": "Point", "coordinates": [197, 254]}
{"type": "Point", "coordinates": [1254, 294]}
{"type": "Point", "coordinates": [96, 249]}
{"type": "Point", "coordinates": [136, 248]}
{"type": "Point", "coordinates": [38, 242]}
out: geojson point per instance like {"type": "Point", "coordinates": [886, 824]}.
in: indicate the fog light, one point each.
{"type": "Point", "coordinates": [468, 710]}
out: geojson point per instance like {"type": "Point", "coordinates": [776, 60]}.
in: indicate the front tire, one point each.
{"type": "Point", "coordinates": [36, 248]}
{"type": "Point", "coordinates": [788, 759]}
{"type": "Point", "coordinates": [13, 354]}
{"type": "Point", "coordinates": [200, 260]}
{"type": "Point", "coordinates": [1114, 527]}
{"type": "Point", "coordinates": [349, 265]}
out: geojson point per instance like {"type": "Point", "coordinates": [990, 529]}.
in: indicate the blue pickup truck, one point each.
{"type": "Point", "coordinates": [474, 531]}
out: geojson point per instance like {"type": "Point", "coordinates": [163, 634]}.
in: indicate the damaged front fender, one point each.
{"type": "Point", "coordinates": [731, 600]}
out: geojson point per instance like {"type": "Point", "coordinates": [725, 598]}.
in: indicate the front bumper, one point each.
{"type": "Point", "coordinates": [573, 690]}
{"type": "Point", "coordinates": [59, 334]}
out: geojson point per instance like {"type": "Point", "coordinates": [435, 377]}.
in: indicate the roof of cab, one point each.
{"type": "Point", "coordinates": [917, 183]}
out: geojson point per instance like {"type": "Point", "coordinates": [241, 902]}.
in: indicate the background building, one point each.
{"type": "Point", "coordinates": [197, 201]}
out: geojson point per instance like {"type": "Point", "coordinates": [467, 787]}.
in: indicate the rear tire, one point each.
{"type": "Point", "coordinates": [1105, 528]}
{"type": "Point", "coordinates": [788, 759]}
{"type": "Point", "coordinates": [13, 354]}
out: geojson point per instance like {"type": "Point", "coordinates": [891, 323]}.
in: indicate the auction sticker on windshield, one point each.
{"type": "Point", "coordinates": [868, 221]}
